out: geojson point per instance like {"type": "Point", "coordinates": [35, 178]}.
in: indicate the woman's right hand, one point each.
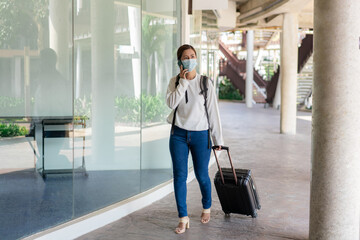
{"type": "Point", "coordinates": [183, 72]}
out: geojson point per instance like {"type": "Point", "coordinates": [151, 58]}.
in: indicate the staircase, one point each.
{"type": "Point", "coordinates": [305, 72]}
{"type": "Point", "coordinates": [233, 73]}
{"type": "Point", "coordinates": [305, 69]}
{"type": "Point", "coordinates": [305, 80]}
{"type": "Point", "coordinates": [235, 70]}
{"type": "Point", "coordinates": [271, 87]}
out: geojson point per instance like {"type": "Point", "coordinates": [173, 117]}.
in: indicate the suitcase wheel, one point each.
{"type": "Point", "coordinates": [227, 214]}
{"type": "Point", "coordinates": [254, 215]}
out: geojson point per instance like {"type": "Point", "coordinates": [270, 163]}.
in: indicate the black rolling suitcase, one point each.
{"type": "Point", "coordinates": [236, 189]}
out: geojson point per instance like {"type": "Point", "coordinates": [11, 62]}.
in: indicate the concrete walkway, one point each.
{"type": "Point", "coordinates": [281, 168]}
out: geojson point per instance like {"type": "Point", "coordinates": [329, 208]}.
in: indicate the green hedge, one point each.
{"type": "Point", "coordinates": [228, 91]}
{"type": "Point", "coordinates": [128, 109]}
{"type": "Point", "coordinates": [12, 130]}
{"type": "Point", "coordinates": [154, 109]}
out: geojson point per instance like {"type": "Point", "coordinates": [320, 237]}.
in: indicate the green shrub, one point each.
{"type": "Point", "coordinates": [154, 108]}
{"type": "Point", "coordinates": [129, 109]}
{"type": "Point", "coordinates": [12, 130]}
{"type": "Point", "coordinates": [228, 91]}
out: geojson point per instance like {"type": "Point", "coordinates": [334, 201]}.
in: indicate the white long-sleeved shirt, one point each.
{"type": "Point", "coordinates": [191, 116]}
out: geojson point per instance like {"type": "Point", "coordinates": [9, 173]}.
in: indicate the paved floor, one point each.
{"type": "Point", "coordinates": [281, 168]}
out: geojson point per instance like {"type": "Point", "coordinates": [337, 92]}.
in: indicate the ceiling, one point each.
{"type": "Point", "coordinates": [267, 14]}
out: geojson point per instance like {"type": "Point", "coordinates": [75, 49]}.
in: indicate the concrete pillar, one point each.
{"type": "Point", "coordinates": [59, 31]}
{"type": "Point", "coordinates": [249, 68]}
{"type": "Point", "coordinates": [335, 185]}
{"type": "Point", "coordinates": [102, 71]}
{"type": "Point", "coordinates": [289, 59]}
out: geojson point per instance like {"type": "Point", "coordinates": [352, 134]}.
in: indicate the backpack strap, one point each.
{"type": "Point", "coordinates": [173, 121]}
{"type": "Point", "coordinates": [204, 90]}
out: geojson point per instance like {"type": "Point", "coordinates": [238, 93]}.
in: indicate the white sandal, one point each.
{"type": "Point", "coordinates": [186, 222]}
{"type": "Point", "coordinates": [205, 220]}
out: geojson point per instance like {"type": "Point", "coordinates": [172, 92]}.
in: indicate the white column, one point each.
{"type": "Point", "coordinates": [59, 30]}
{"type": "Point", "coordinates": [135, 41]}
{"type": "Point", "coordinates": [289, 58]}
{"type": "Point", "coordinates": [79, 5]}
{"type": "Point", "coordinates": [185, 23]}
{"type": "Point", "coordinates": [335, 185]}
{"type": "Point", "coordinates": [79, 75]}
{"type": "Point", "coordinates": [102, 71]}
{"type": "Point", "coordinates": [249, 68]}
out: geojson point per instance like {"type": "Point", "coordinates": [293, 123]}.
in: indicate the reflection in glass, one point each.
{"type": "Point", "coordinates": [160, 40]}
{"type": "Point", "coordinates": [107, 89]}
{"type": "Point", "coordinates": [36, 183]}
{"type": "Point", "coordinates": [82, 106]}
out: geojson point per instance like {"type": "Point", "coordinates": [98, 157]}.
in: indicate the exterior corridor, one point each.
{"type": "Point", "coordinates": [281, 168]}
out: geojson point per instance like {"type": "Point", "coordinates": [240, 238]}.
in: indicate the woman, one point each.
{"type": "Point", "coordinates": [192, 124]}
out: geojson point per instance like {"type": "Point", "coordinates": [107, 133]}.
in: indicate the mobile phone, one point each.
{"type": "Point", "coordinates": [181, 64]}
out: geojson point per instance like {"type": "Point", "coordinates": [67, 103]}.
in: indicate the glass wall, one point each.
{"type": "Point", "coordinates": [36, 114]}
{"type": "Point", "coordinates": [160, 40]}
{"type": "Point", "coordinates": [82, 106]}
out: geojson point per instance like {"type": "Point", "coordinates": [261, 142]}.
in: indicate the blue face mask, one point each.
{"type": "Point", "coordinates": [188, 64]}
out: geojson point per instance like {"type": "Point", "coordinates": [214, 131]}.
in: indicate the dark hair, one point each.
{"type": "Point", "coordinates": [48, 57]}
{"type": "Point", "coordinates": [183, 48]}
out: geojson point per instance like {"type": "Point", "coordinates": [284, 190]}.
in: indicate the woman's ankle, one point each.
{"type": "Point", "coordinates": [206, 210]}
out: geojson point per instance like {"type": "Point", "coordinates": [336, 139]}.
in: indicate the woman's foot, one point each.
{"type": "Point", "coordinates": [184, 223]}
{"type": "Point", "coordinates": [205, 216]}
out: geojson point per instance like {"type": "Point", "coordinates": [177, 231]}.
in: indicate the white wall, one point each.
{"type": "Point", "coordinates": [209, 4]}
{"type": "Point", "coordinates": [227, 18]}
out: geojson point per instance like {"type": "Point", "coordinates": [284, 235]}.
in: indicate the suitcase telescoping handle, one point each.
{"type": "Point", "coordinates": [217, 161]}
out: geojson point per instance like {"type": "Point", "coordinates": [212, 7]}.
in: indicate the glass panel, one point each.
{"type": "Point", "coordinates": [160, 40]}
{"type": "Point", "coordinates": [107, 102]}
{"type": "Point", "coordinates": [36, 189]}
{"type": "Point", "coordinates": [77, 92]}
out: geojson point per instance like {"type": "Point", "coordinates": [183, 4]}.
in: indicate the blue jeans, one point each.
{"type": "Point", "coordinates": [181, 141]}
